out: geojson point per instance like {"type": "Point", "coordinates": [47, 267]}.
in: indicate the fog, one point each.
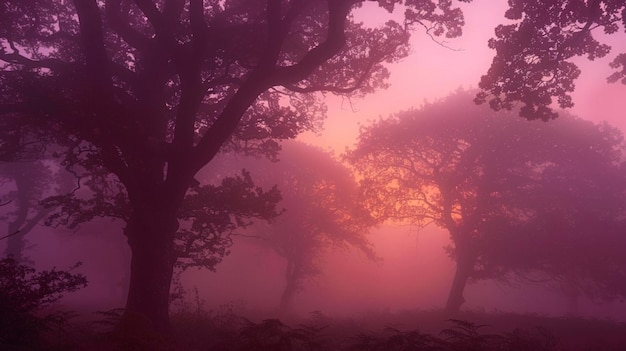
{"type": "Point", "coordinates": [414, 274]}
{"type": "Point", "coordinates": [369, 204]}
{"type": "Point", "coordinates": [350, 285]}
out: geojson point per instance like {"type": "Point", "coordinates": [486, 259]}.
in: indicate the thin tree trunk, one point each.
{"type": "Point", "coordinates": [572, 294]}
{"type": "Point", "coordinates": [286, 299]}
{"type": "Point", "coordinates": [291, 287]}
{"type": "Point", "coordinates": [464, 269]}
{"type": "Point", "coordinates": [15, 242]}
{"type": "Point", "coordinates": [125, 279]}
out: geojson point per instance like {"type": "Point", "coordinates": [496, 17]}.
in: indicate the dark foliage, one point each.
{"type": "Point", "coordinates": [224, 330]}
{"type": "Point", "coordinates": [514, 333]}
{"type": "Point", "coordinates": [533, 62]}
{"type": "Point", "coordinates": [140, 95]}
{"type": "Point", "coordinates": [211, 213]}
{"type": "Point", "coordinates": [24, 294]}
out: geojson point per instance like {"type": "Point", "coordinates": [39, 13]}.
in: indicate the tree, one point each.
{"type": "Point", "coordinates": [142, 94]}
{"type": "Point", "coordinates": [533, 61]}
{"type": "Point", "coordinates": [517, 197]}
{"type": "Point", "coordinates": [22, 154]}
{"type": "Point", "coordinates": [320, 212]}
{"type": "Point", "coordinates": [33, 181]}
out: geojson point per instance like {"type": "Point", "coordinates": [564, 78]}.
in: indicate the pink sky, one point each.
{"type": "Point", "coordinates": [432, 71]}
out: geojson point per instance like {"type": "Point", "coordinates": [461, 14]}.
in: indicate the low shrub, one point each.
{"type": "Point", "coordinates": [24, 295]}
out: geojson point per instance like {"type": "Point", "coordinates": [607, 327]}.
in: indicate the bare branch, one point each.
{"type": "Point", "coordinates": [335, 40]}
{"type": "Point", "coordinates": [10, 235]}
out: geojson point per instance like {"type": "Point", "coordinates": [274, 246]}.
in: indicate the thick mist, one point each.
{"type": "Point", "coordinates": [319, 175]}
{"type": "Point", "coordinates": [414, 273]}
{"type": "Point", "coordinates": [412, 270]}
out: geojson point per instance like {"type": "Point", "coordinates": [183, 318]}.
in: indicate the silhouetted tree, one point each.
{"type": "Point", "coordinates": [142, 94]}
{"type": "Point", "coordinates": [515, 196]}
{"type": "Point", "coordinates": [321, 212]}
{"type": "Point", "coordinates": [533, 62]}
{"type": "Point", "coordinates": [27, 176]}
{"type": "Point", "coordinates": [32, 180]}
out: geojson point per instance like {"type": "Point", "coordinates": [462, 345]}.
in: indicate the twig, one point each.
{"type": "Point", "coordinates": [10, 235]}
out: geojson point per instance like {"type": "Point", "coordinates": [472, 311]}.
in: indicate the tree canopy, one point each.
{"type": "Point", "coordinates": [534, 54]}
{"type": "Point", "coordinates": [319, 211]}
{"type": "Point", "coordinates": [517, 197]}
{"type": "Point", "coordinates": [141, 94]}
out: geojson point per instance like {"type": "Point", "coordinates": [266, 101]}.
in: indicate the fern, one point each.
{"type": "Point", "coordinates": [465, 336]}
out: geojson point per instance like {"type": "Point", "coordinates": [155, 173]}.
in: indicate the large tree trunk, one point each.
{"type": "Point", "coordinates": [152, 263]}
{"type": "Point", "coordinates": [464, 269]}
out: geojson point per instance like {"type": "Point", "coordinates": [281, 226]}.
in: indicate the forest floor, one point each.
{"type": "Point", "coordinates": [225, 330]}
